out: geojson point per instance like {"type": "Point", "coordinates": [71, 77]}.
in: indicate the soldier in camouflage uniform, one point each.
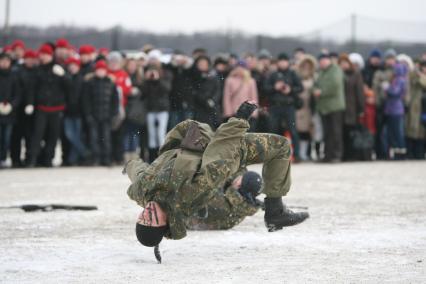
{"type": "Point", "coordinates": [182, 180]}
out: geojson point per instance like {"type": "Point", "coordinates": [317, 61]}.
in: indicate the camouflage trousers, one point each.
{"type": "Point", "coordinates": [271, 150]}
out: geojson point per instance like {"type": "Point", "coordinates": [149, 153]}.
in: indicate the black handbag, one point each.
{"type": "Point", "coordinates": [361, 138]}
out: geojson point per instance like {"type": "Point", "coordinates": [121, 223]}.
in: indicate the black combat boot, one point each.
{"type": "Point", "coordinates": [278, 216]}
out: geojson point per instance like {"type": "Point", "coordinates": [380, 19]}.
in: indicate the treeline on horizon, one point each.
{"type": "Point", "coordinates": [215, 42]}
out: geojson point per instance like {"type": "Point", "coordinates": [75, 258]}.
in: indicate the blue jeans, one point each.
{"type": "Point", "coordinates": [5, 132]}
{"type": "Point", "coordinates": [131, 137]}
{"type": "Point", "coordinates": [178, 116]}
{"type": "Point", "coordinates": [72, 129]}
{"type": "Point", "coordinates": [395, 131]}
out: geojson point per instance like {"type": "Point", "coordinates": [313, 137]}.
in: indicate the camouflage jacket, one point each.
{"type": "Point", "coordinates": [183, 181]}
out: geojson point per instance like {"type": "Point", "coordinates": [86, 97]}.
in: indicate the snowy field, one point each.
{"type": "Point", "coordinates": [367, 225]}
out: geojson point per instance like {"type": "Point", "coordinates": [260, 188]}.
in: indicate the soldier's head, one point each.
{"type": "Point", "coordinates": [151, 225]}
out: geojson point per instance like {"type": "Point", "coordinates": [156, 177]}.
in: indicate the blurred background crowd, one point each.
{"type": "Point", "coordinates": [106, 107]}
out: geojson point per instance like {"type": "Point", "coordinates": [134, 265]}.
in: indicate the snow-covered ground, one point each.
{"type": "Point", "coordinates": [367, 225]}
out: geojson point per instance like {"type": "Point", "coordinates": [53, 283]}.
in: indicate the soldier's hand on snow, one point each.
{"type": "Point", "coordinates": [5, 108]}
{"type": "Point", "coordinates": [58, 70]}
{"type": "Point", "coordinates": [29, 109]}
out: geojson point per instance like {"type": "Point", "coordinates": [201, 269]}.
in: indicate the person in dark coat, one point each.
{"type": "Point", "coordinates": [221, 72]}
{"type": "Point", "coordinates": [23, 127]}
{"type": "Point", "coordinates": [283, 88]}
{"type": "Point", "coordinates": [354, 98]}
{"type": "Point", "coordinates": [100, 105]}
{"type": "Point", "coordinates": [374, 64]}
{"type": "Point", "coordinates": [206, 92]}
{"type": "Point", "coordinates": [50, 93]}
{"type": "Point", "coordinates": [156, 91]}
{"type": "Point", "coordinates": [73, 115]}
{"type": "Point", "coordinates": [135, 121]}
{"type": "Point", "coordinates": [9, 101]}
{"type": "Point", "coordinates": [181, 100]}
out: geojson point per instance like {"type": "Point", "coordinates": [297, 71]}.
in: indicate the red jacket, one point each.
{"type": "Point", "coordinates": [123, 82]}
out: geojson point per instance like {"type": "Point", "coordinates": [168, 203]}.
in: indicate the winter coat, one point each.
{"type": "Point", "coordinates": [9, 93]}
{"type": "Point", "coordinates": [51, 90]}
{"type": "Point", "coordinates": [380, 77]}
{"type": "Point", "coordinates": [123, 82]}
{"type": "Point", "coordinates": [100, 99]}
{"type": "Point", "coordinates": [414, 128]}
{"type": "Point", "coordinates": [238, 90]}
{"type": "Point", "coordinates": [74, 100]}
{"type": "Point", "coordinates": [156, 94]}
{"type": "Point", "coordinates": [27, 82]}
{"type": "Point", "coordinates": [290, 78]}
{"type": "Point", "coordinates": [331, 83]}
{"type": "Point", "coordinates": [86, 68]}
{"type": "Point", "coordinates": [368, 74]}
{"type": "Point", "coordinates": [354, 97]}
{"type": "Point", "coordinates": [206, 92]}
{"type": "Point", "coordinates": [180, 94]}
{"type": "Point", "coordinates": [394, 100]}
{"type": "Point", "coordinates": [304, 114]}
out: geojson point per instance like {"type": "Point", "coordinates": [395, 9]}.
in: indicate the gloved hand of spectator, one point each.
{"type": "Point", "coordinates": [211, 103]}
{"type": "Point", "coordinates": [385, 85]}
{"type": "Point", "coordinates": [29, 109]}
{"type": "Point", "coordinates": [135, 91]}
{"type": "Point", "coordinates": [58, 70]}
{"type": "Point", "coordinates": [5, 108]}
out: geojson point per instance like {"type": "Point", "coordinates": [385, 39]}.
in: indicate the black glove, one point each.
{"type": "Point", "coordinates": [245, 110]}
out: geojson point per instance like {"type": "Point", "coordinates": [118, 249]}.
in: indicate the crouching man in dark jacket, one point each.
{"type": "Point", "coordinates": [100, 103]}
{"type": "Point", "coordinates": [194, 162]}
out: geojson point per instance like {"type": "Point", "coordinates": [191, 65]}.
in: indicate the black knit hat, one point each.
{"type": "Point", "coordinates": [283, 56]}
{"type": "Point", "coordinates": [251, 183]}
{"type": "Point", "coordinates": [4, 55]}
{"type": "Point", "coordinates": [150, 236]}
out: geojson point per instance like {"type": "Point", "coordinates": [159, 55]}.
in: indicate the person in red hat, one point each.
{"type": "Point", "coordinates": [18, 51]}
{"type": "Point", "coordinates": [100, 105]}
{"type": "Point", "coordinates": [73, 115]}
{"type": "Point", "coordinates": [22, 129]}
{"type": "Point", "coordinates": [50, 92]}
{"type": "Point", "coordinates": [62, 51]}
{"type": "Point", "coordinates": [87, 56]}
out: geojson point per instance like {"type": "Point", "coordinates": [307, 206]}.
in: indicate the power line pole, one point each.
{"type": "Point", "coordinates": [6, 28]}
{"type": "Point", "coordinates": [353, 32]}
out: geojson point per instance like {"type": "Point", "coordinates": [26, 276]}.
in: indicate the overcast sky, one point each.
{"type": "Point", "coordinates": [272, 17]}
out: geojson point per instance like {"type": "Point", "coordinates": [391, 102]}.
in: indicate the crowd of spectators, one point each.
{"type": "Point", "coordinates": [107, 107]}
